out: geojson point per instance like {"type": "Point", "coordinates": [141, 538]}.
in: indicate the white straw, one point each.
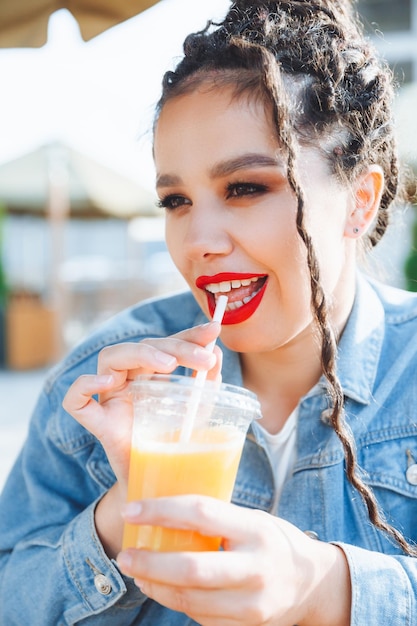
{"type": "Point", "coordinates": [217, 317]}
{"type": "Point", "coordinates": [201, 376]}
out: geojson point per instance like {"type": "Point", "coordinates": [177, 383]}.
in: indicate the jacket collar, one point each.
{"type": "Point", "coordinates": [361, 343]}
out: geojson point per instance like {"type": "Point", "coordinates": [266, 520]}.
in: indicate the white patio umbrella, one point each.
{"type": "Point", "coordinates": [24, 23]}
{"type": "Point", "coordinates": [92, 189]}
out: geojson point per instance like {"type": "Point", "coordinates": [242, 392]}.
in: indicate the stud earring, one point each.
{"type": "Point", "coordinates": [355, 230]}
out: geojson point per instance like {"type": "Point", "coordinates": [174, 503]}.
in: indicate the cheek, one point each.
{"type": "Point", "coordinates": [271, 232]}
{"type": "Point", "coordinates": [290, 254]}
{"type": "Point", "coordinates": [173, 242]}
{"type": "Point", "coordinates": [328, 238]}
{"type": "Point", "coordinates": [175, 246]}
{"type": "Point", "coordinates": [326, 225]}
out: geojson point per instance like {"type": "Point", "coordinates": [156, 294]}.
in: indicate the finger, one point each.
{"type": "Point", "coordinates": [186, 344]}
{"type": "Point", "coordinates": [187, 354]}
{"type": "Point", "coordinates": [207, 515]}
{"type": "Point", "coordinates": [157, 355]}
{"type": "Point", "coordinates": [80, 394]}
{"type": "Point", "coordinates": [215, 373]}
{"type": "Point", "coordinates": [202, 334]}
{"type": "Point", "coordinates": [209, 606]}
{"type": "Point", "coordinates": [197, 570]}
{"type": "Point", "coordinates": [79, 401]}
{"type": "Point", "coordinates": [132, 358]}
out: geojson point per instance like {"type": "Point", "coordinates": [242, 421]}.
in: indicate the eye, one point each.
{"type": "Point", "coordinates": [172, 202]}
{"type": "Point", "coordinates": [240, 189]}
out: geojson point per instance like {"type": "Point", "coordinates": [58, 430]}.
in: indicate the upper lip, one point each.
{"type": "Point", "coordinates": [225, 277]}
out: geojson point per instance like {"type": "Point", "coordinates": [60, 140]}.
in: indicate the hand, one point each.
{"type": "Point", "coordinates": [269, 573]}
{"type": "Point", "coordinates": [110, 418]}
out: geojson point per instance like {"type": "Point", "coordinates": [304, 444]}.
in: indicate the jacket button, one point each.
{"type": "Point", "coordinates": [311, 533]}
{"type": "Point", "coordinates": [411, 471]}
{"type": "Point", "coordinates": [102, 584]}
{"type": "Point", "coordinates": [326, 415]}
{"type": "Point", "coordinates": [411, 474]}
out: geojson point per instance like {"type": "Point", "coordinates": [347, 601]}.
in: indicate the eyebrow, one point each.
{"type": "Point", "coordinates": [230, 166]}
{"type": "Point", "coordinates": [224, 168]}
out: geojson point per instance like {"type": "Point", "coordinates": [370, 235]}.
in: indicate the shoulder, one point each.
{"type": "Point", "coordinates": [394, 346]}
{"type": "Point", "coordinates": [398, 322]}
{"type": "Point", "coordinates": [400, 306]}
{"type": "Point", "coordinates": [378, 343]}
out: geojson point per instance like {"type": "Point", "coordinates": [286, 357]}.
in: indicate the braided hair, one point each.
{"type": "Point", "coordinates": [311, 64]}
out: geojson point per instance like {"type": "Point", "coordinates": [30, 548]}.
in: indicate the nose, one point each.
{"type": "Point", "coordinates": [206, 231]}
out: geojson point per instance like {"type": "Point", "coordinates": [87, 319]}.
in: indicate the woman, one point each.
{"type": "Point", "coordinates": [276, 164]}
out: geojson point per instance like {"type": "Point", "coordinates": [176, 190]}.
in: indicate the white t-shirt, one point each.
{"type": "Point", "coordinates": [281, 450]}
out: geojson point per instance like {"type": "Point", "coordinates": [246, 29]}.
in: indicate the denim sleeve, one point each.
{"type": "Point", "coordinates": [384, 588]}
{"type": "Point", "coordinates": [53, 569]}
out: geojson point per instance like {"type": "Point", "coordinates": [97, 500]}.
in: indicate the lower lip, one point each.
{"type": "Point", "coordinates": [237, 316]}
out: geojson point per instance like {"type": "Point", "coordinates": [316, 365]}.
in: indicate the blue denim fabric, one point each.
{"type": "Point", "coordinates": [47, 531]}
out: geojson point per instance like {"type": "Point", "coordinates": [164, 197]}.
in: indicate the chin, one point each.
{"type": "Point", "coordinates": [239, 341]}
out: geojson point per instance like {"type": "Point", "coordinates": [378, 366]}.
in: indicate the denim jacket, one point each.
{"type": "Point", "coordinates": [53, 569]}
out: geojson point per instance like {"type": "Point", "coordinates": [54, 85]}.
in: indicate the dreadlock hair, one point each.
{"type": "Point", "coordinates": [311, 64]}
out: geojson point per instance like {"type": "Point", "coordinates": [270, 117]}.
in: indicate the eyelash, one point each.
{"type": "Point", "coordinates": [233, 190]}
{"type": "Point", "coordinates": [240, 189]}
{"type": "Point", "coordinates": [168, 202]}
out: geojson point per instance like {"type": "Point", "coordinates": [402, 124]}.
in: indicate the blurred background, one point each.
{"type": "Point", "coordinates": [80, 234]}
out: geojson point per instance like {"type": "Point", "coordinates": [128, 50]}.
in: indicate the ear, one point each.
{"type": "Point", "coordinates": [367, 194]}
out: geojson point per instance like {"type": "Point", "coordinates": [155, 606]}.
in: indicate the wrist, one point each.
{"type": "Point", "coordinates": [109, 522]}
{"type": "Point", "coordinates": [329, 600]}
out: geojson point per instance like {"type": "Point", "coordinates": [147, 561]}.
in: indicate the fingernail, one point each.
{"type": "Point", "coordinates": [212, 323]}
{"type": "Point", "coordinates": [165, 359]}
{"type": "Point", "coordinates": [202, 355]}
{"type": "Point", "coordinates": [104, 379]}
{"type": "Point", "coordinates": [131, 510]}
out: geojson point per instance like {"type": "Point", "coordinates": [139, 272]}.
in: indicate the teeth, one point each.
{"type": "Point", "coordinates": [231, 306]}
{"type": "Point", "coordinates": [236, 304]}
{"type": "Point", "coordinates": [226, 285]}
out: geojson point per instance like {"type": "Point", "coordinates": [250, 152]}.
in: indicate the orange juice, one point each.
{"type": "Point", "coordinates": [207, 465]}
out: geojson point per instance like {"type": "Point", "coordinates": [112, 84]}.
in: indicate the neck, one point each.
{"type": "Point", "coordinates": [280, 378]}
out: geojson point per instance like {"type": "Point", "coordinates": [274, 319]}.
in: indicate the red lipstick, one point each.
{"type": "Point", "coordinates": [243, 312]}
{"type": "Point", "coordinates": [202, 281]}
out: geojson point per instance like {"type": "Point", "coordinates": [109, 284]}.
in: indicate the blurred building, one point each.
{"type": "Point", "coordinates": [80, 243]}
{"type": "Point", "coordinates": [107, 264]}
{"type": "Point", "coordinates": [393, 25]}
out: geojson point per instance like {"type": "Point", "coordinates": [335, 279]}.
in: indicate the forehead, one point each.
{"type": "Point", "coordinates": [209, 118]}
{"type": "Point", "coordinates": [210, 132]}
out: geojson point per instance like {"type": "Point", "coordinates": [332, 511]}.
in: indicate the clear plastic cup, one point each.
{"type": "Point", "coordinates": [162, 463]}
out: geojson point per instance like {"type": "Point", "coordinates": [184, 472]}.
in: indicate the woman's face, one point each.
{"type": "Point", "coordinates": [231, 219]}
